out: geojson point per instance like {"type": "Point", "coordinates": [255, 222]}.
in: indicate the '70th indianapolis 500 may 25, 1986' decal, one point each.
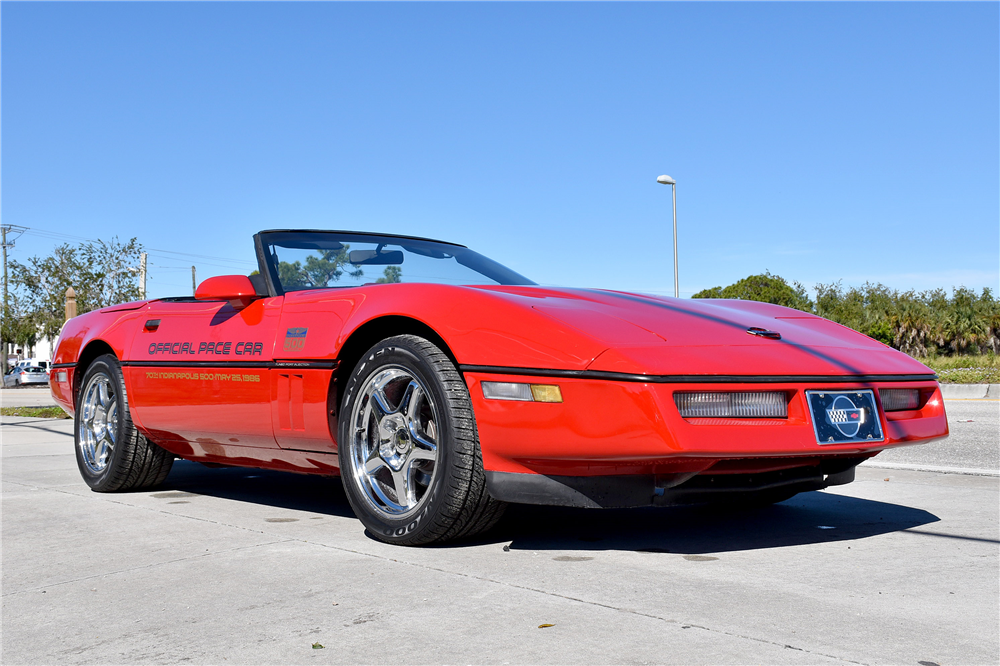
{"type": "Point", "coordinates": [217, 348]}
{"type": "Point", "coordinates": [203, 376]}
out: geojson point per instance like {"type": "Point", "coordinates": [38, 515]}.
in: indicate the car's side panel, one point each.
{"type": "Point", "coordinates": [199, 372]}
{"type": "Point", "coordinates": [304, 351]}
{"type": "Point", "coordinates": [285, 460]}
{"type": "Point", "coordinates": [301, 408]}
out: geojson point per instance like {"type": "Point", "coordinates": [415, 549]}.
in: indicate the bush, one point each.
{"type": "Point", "coordinates": [766, 288]}
{"type": "Point", "coordinates": [920, 324]}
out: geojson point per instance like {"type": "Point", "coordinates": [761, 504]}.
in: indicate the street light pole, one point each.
{"type": "Point", "coordinates": [667, 180]}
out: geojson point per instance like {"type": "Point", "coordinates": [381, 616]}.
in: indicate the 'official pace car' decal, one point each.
{"type": "Point", "coordinates": [218, 348]}
{"type": "Point", "coordinates": [295, 339]}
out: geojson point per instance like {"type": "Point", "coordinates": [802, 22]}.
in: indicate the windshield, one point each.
{"type": "Point", "coordinates": [301, 260]}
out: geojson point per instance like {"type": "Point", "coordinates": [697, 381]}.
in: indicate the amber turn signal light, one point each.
{"type": "Point", "coordinates": [522, 392]}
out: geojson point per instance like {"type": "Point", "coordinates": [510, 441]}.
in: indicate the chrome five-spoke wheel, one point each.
{"type": "Point", "coordinates": [110, 451]}
{"type": "Point", "coordinates": [98, 424]}
{"type": "Point", "coordinates": [408, 446]}
{"type": "Point", "coordinates": [394, 428]}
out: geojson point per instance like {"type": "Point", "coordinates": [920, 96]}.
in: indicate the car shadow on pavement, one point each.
{"type": "Point", "coordinates": [807, 518]}
{"type": "Point", "coordinates": [283, 490]}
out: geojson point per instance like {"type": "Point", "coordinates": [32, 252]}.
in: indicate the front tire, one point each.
{"type": "Point", "coordinates": [408, 446]}
{"type": "Point", "coordinates": [110, 451]}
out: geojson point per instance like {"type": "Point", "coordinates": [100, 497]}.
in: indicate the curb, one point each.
{"type": "Point", "coordinates": [970, 391]}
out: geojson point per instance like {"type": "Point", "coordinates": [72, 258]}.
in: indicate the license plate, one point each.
{"type": "Point", "coordinates": [845, 416]}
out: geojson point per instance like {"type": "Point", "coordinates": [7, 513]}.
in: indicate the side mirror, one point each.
{"type": "Point", "coordinates": [237, 289]}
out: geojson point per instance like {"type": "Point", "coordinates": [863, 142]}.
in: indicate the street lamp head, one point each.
{"type": "Point", "coordinates": [666, 180]}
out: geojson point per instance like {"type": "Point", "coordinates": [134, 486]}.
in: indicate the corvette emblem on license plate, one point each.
{"type": "Point", "coordinates": [295, 339]}
{"type": "Point", "coordinates": [844, 416]}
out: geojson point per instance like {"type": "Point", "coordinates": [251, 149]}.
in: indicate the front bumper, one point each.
{"type": "Point", "coordinates": [625, 428]}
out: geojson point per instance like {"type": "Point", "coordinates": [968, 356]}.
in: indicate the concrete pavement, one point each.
{"type": "Point", "coordinates": [246, 566]}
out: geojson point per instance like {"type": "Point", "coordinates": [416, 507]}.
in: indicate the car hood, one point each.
{"type": "Point", "coordinates": [645, 334]}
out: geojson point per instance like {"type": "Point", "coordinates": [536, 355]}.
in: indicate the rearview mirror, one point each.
{"type": "Point", "coordinates": [374, 258]}
{"type": "Point", "coordinates": [237, 289]}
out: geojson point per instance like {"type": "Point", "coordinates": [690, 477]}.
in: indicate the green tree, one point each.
{"type": "Point", "coordinates": [765, 288]}
{"type": "Point", "coordinates": [319, 270]}
{"type": "Point", "coordinates": [18, 324]}
{"type": "Point", "coordinates": [102, 274]}
{"type": "Point", "coordinates": [390, 275]}
{"type": "Point", "coordinates": [919, 324]}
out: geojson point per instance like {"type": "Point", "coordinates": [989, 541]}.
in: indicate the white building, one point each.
{"type": "Point", "coordinates": [42, 350]}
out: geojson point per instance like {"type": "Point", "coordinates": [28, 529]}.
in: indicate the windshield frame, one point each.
{"type": "Point", "coordinates": [472, 260]}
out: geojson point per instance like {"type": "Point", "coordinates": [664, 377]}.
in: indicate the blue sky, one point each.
{"type": "Point", "coordinates": [821, 142]}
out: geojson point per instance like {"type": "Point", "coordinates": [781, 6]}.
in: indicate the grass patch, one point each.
{"type": "Point", "coordinates": [972, 369]}
{"type": "Point", "coordinates": [35, 412]}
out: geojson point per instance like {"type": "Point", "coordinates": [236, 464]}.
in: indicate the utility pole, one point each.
{"type": "Point", "coordinates": [3, 341]}
{"type": "Point", "coordinates": [4, 230]}
{"type": "Point", "coordinates": [142, 276]}
{"type": "Point", "coordinates": [194, 284]}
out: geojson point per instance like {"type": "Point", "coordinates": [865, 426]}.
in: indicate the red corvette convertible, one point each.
{"type": "Point", "coordinates": [441, 385]}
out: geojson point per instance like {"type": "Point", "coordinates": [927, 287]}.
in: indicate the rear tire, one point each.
{"type": "Point", "coordinates": [112, 455]}
{"type": "Point", "coordinates": [409, 449]}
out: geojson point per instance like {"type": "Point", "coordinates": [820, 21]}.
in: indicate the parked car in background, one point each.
{"type": "Point", "coordinates": [29, 363]}
{"type": "Point", "coordinates": [24, 375]}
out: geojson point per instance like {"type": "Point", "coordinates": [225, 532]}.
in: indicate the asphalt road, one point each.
{"type": "Point", "coordinates": [972, 445]}
{"type": "Point", "coordinates": [11, 396]}
{"type": "Point", "coordinates": [245, 566]}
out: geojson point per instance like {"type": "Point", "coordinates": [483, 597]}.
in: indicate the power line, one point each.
{"type": "Point", "coordinates": [31, 231]}
{"type": "Point", "coordinates": [203, 256]}
{"type": "Point", "coordinates": [234, 263]}
{"type": "Point", "coordinates": [57, 235]}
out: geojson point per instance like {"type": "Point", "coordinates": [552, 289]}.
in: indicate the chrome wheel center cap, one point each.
{"type": "Point", "coordinates": [100, 421]}
{"type": "Point", "coordinates": [395, 441]}
{"type": "Point", "coordinates": [402, 439]}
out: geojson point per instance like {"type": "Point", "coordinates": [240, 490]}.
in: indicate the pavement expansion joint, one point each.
{"type": "Point", "coordinates": [151, 565]}
{"type": "Point", "coordinates": [949, 536]}
{"type": "Point", "coordinates": [587, 602]}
